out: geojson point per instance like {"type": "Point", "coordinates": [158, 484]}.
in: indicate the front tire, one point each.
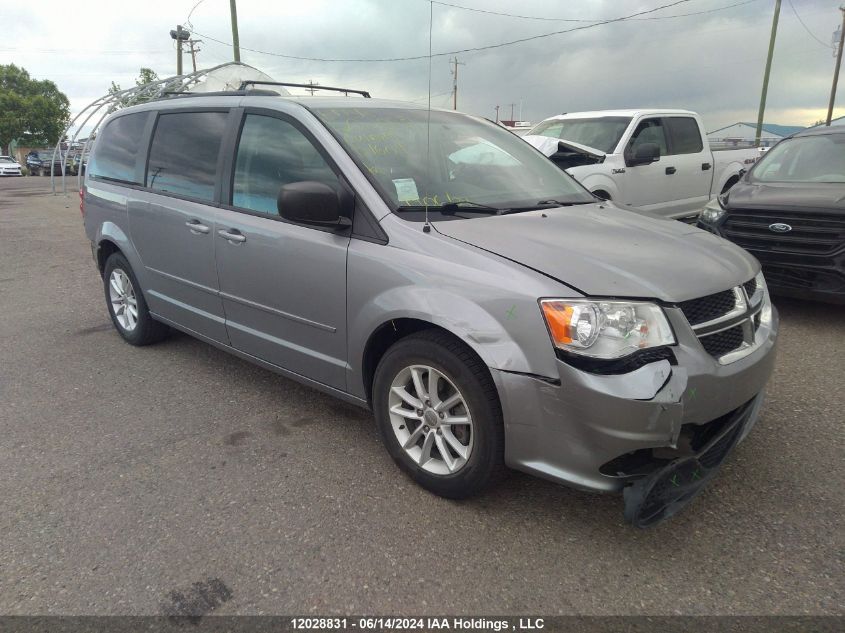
{"type": "Point", "coordinates": [439, 414]}
{"type": "Point", "coordinates": [127, 307]}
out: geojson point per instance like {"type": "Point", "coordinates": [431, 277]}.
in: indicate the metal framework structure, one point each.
{"type": "Point", "coordinates": [99, 109]}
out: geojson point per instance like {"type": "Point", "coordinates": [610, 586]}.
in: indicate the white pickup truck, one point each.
{"type": "Point", "coordinates": [658, 160]}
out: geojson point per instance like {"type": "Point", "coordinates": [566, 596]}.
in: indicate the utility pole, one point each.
{"type": "Point", "coordinates": [766, 74]}
{"type": "Point", "coordinates": [312, 83]}
{"type": "Point", "coordinates": [194, 50]}
{"type": "Point", "coordinates": [497, 114]}
{"type": "Point", "coordinates": [236, 44]}
{"type": "Point", "coordinates": [838, 64]}
{"type": "Point", "coordinates": [456, 63]}
{"type": "Point", "coordinates": [512, 106]}
{"type": "Point", "coordinates": [180, 35]}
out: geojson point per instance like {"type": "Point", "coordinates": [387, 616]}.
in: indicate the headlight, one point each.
{"type": "Point", "coordinates": [766, 310]}
{"type": "Point", "coordinates": [605, 329]}
{"type": "Point", "coordinates": [712, 213]}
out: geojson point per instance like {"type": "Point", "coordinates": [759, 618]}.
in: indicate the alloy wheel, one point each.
{"type": "Point", "coordinates": [431, 419]}
{"type": "Point", "coordinates": [123, 300]}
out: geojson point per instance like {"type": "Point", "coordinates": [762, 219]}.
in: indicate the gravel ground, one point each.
{"type": "Point", "coordinates": [145, 480]}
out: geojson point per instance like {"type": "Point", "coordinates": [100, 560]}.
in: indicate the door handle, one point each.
{"type": "Point", "coordinates": [705, 166]}
{"type": "Point", "coordinates": [234, 236]}
{"type": "Point", "coordinates": [670, 171]}
{"type": "Point", "coordinates": [197, 227]}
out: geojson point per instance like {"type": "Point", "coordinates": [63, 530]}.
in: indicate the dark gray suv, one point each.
{"type": "Point", "coordinates": [437, 269]}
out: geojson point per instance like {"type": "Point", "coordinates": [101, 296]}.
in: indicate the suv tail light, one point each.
{"type": "Point", "coordinates": [82, 200]}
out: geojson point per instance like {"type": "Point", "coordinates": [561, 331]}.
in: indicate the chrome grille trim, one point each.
{"type": "Point", "coordinates": [746, 309]}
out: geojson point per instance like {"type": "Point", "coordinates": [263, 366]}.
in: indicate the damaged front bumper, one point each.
{"type": "Point", "coordinates": [605, 432]}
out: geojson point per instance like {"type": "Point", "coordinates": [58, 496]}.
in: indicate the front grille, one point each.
{"type": "Point", "coordinates": [750, 287]}
{"type": "Point", "coordinates": [811, 234]}
{"type": "Point", "coordinates": [805, 278]}
{"type": "Point", "coordinates": [708, 308]}
{"type": "Point", "coordinates": [721, 343]}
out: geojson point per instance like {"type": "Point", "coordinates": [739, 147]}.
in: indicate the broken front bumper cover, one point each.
{"type": "Point", "coordinates": [664, 493]}
{"type": "Point", "coordinates": [605, 432]}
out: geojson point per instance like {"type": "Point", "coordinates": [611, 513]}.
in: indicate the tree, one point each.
{"type": "Point", "coordinates": [31, 111]}
{"type": "Point", "coordinates": [145, 76]}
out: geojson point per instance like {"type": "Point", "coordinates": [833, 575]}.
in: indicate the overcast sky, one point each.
{"type": "Point", "coordinates": [712, 63]}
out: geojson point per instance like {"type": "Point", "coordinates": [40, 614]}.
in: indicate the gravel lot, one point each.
{"type": "Point", "coordinates": [130, 475]}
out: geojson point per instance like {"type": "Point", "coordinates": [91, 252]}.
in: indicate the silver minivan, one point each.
{"type": "Point", "coordinates": [439, 270]}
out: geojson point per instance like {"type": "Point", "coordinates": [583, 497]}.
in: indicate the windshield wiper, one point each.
{"type": "Point", "coordinates": [545, 204]}
{"type": "Point", "coordinates": [450, 208]}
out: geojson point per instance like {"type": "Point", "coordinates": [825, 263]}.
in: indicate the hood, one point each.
{"type": "Point", "coordinates": [607, 251]}
{"type": "Point", "coordinates": [551, 146]}
{"type": "Point", "coordinates": [787, 196]}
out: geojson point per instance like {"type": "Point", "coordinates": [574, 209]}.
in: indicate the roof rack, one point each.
{"type": "Point", "coordinates": [346, 91]}
{"type": "Point", "coordinates": [221, 93]}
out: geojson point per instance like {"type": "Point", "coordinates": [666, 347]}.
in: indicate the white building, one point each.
{"type": "Point", "coordinates": [740, 134]}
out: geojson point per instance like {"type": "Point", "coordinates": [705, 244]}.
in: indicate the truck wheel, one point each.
{"type": "Point", "coordinates": [439, 414]}
{"type": "Point", "coordinates": [127, 307]}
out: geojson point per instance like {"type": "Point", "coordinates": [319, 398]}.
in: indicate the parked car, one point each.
{"type": "Point", "coordinates": [658, 160]}
{"type": "Point", "coordinates": [789, 212]}
{"type": "Point", "coordinates": [9, 166]}
{"type": "Point", "coordinates": [435, 268]}
{"type": "Point", "coordinates": [74, 162]}
{"type": "Point", "coordinates": [38, 162]}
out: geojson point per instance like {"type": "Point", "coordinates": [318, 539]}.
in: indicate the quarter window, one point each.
{"type": "Point", "coordinates": [117, 148]}
{"type": "Point", "coordinates": [686, 137]}
{"type": "Point", "coordinates": [183, 156]}
{"type": "Point", "coordinates": [271, 153]}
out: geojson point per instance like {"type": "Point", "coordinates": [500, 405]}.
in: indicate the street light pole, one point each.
{"type": "Point", "coordinates": [836, 70]}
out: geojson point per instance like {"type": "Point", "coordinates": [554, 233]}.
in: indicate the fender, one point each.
{"type": "Point", "coordinates": [483, 327]}
{"type": "Point", "coordinates": [731, 170]}
{"type": "Point", "coordinates": [597, 181]}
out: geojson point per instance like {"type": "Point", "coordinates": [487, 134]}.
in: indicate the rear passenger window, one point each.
{"type": "Point", "coordinates": [686, 137]}
{"type": "Point", "coordinates": [117, 149]}
{"type": "Point", "coordinates": [183, 156]}
{"type": "Point", "coordinates": [272, 153]}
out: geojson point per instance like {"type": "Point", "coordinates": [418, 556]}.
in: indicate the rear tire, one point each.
{"type": "Point", "coordinates": [127, 306]}
{"type": "Point", "coordinates": [430, 370]}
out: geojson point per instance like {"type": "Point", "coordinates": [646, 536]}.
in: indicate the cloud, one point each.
{"type": "Point", "coordinates": [710, 63]}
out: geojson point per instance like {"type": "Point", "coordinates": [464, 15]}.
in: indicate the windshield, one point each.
{"type": "Point", "coordinates": [6, 159]}
{"type": "Point", "coordinates": [602, 134]}
{"type": "Point", "coordinates": [461, 161]}
{"type": "Point", "coordinates": [803, 159]}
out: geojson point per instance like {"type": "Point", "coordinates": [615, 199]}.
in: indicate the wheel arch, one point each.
{"type": "Point", "coordinates": [111, 238]}
{"type": "Point", "coordinates": [391, 332]}
{"type": "Point", "coordinates": [601, 182]}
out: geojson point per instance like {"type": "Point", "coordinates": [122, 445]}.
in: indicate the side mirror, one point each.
{"type": "Point", "coordinates": [316, 204]}
{"type": "Point", "coordinates": [645, 154]}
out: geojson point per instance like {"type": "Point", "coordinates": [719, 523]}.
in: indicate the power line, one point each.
{"type": "Point", "coordinates": [191, 12]}
{"type": "Point", "coordinates": [77, 51]}
{"type": "Point", "coordinates": [795, 11]}
{"type": "Point", "coordinates": [547, 19]}
{"type": "Point", "coordinates": [455, 52]}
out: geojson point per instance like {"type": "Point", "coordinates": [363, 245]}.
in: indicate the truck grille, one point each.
{"type": "Point", "coordinates": [805, 278]}
{"type": "Point", "coordinates": [811, 234]}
